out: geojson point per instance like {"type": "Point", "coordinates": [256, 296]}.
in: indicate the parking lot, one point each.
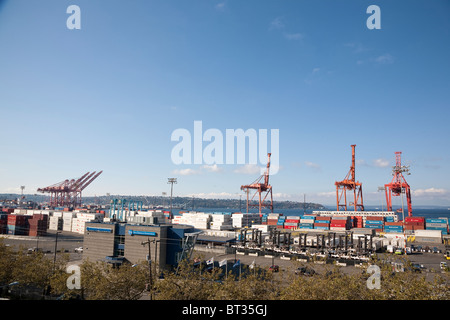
{"type": "Point", "coordinates": [429, 260]}
{"type": "Point", "coordinates": [69, 241]}
{"type": "Point", "coordinates": [65, 242]}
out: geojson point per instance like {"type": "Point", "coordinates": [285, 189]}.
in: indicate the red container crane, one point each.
{"type": "Point", "coordinates": [350, 184]}
{"type": "Point", "coordinates": [67, 193]}
{"type": "Point", "coordinates": [398, 184]}
{"type": "Point", "coordinates": [263, 189]}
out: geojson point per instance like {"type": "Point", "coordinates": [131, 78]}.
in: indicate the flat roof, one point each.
{"type": "Point", "coordinates": [206, 238]}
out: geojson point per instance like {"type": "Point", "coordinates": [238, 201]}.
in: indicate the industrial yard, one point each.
{"type": "Point", "coordinates": [127, 232]}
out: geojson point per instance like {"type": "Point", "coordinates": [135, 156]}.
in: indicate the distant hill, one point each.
{"type": "Point", "coordinates": [177, 202]}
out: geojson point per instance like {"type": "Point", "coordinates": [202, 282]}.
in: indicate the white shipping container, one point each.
{"type": "Point", "coordinates": [337, 228]}
{"type": "Point", "coordinates": [428, 233]}
{"type": "Point", "coordinates": [69, 214]}
{"type": "Point", "coordinates": [262, 227]}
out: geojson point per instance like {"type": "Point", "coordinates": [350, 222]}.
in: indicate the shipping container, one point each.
{"type": "Point", "coordinates": [436, 225]}
{"type": "Point", "coordinates": [375, 218]}
{"type": "Point", "coordinates": [321, 228]}
{"type": "Point", "coordinates": [339, 222]}
{"type": "Point", "coordinates": [321, 224]}
{"type": "Point", "coordinates": [436, 220]}
{"type": "Point", "coordinates": [306, 224]}
{"type": "Point", "coordinates": [323, 218]}
{"type": "Point", "coordinates": [414, 219]}
{"type": "Point", "coordinates": [333, 228]}
{"type": "Point", "coordinates": [393, 224]}
{"type": "Point", "coordinates": [340, 218]}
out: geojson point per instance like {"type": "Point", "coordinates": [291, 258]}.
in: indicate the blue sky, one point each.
{"type": "Point", "coordinates": [108, 96]}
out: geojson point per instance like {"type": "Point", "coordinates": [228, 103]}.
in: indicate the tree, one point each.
{"type": "Point", "coordinates": [102, 281]}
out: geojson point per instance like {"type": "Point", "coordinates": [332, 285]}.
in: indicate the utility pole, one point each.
{"type": "Point", "coordinates": [150, 288]}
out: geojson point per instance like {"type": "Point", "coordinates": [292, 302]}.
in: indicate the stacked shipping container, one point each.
{"type": "Point", "coordinates": [3, 223]}
{"type": "Point", "coordinates": [280, 222]}
{"type": "Point", "coordinates": [340, 223]}
{"type": "Point", "coordinates": [291, 222]}
{"type": "Point", "coordinates": [322, 223]}
{"type": "Point", "coordinates": [414, 223]}
{"type": "Point", "coordinates": [240, 220]}
{"type": "Point", "coordinates": [38, 225]}
{"type": "Point", "coordinates": [374, 222]}
{"type": "Point", "coordinates": [17, 224]}
{"type": "Point", "coordinates": [437, 224]}
{"type": "Point", "coordinates": [307, 221]}
{"type": "Point", "coordinates": [221, 221]}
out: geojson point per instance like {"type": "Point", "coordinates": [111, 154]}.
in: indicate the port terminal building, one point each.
{"type": "Point", "coordinates": [117, 242]}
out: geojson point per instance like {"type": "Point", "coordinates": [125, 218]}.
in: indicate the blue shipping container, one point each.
{"type": "Point", "coordinates": [440, 220]}
{"type": "Point", "coordinates": [321, 228]}
{"type": "Point", "coordinates": [374, 222]}
{"type": "Point", "coordinates": [307, 224]}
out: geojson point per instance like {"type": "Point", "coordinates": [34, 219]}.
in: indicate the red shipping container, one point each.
{"type": "Point", "coordinates": [393, 223]}
{"type": "Point", "coordinates": [414, 225]}
{"type": "Point", "coordinates": [379, 218]}
{"type": "Point", "coordinates": [291, 220]}
{"type": "Point", "coordinates": [414, 219]}
{"type": "Point", "coordinates": [407, 227]}
{"type": "Point", "coordinates": [323, 218]}
{"type": "Point", "coordinates": [339, 222]}
{"type": "Point", "coordinates": [321, 224]}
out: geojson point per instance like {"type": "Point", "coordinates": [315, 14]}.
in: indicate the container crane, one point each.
{"type": "Point", "coordinates": [263, 189]}
{"type": "Point", "coordinates": [68, 192]}
{"type": "Point", "coordinates": [398, 185]}
{"type": "Point", "coordinates": [350, 184]}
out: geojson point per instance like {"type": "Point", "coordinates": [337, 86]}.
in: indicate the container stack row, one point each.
{"type": "Point", "coordinates": [221, 221]}
{"type": "Point", "coordinates": [437, 224]}
{"type": "Point", "coordinates": [38, 225]}
{"type": "Point", "coordinates": [198, 220]}
{"type": "Point", "coordinates": [241, 220]}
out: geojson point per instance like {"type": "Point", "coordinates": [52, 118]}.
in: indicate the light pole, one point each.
{"type": "Point", "coordinates": [171, 181]}
{"type": "Point", "coordinates": [56, 245]}
{"type": "Point", "coordinates": [403, 217]}
{"type": "Point", "coordinates": [381, 189]}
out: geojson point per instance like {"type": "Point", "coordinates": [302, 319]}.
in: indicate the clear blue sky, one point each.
{"type": "Point", "coordinates": [108, 96]}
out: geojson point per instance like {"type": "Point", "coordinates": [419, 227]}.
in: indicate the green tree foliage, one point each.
{"type": "Point", "coordinates": [335, 285]}
{"type": "Point", "coordinates": [196, 283]}
{"type": "Point", "coordinates": [29, 269]}
{"type": "Point", "coordinates": [101, 281]}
